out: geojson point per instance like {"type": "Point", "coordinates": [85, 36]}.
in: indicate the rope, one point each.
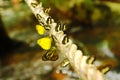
{"type": "Point", "coordinates": [81, 64]}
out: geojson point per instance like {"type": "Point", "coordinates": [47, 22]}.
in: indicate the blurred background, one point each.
{"type": "Point", "coordinates": [93, 25]}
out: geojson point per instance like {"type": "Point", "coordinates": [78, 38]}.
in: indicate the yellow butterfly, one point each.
{"type": "Point", "coordinates": [40, 29]}
{"type": "Point", "coordinates": [45, 43]}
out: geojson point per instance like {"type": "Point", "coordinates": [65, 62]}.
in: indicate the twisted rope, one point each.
{"type": "Point", "coordinates": [85, 70]}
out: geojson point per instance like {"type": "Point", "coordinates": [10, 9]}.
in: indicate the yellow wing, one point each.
{"type": "Point", "coordinates": [45, 43]}
{"type": "Point", "coordinates": [40, 29]}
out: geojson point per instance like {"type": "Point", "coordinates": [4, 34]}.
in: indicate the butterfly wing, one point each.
{"type": "Point", "coordinates": [50, 55]}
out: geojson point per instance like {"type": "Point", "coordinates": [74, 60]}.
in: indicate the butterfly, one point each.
{"type": "Point", "coordinates": [50, 55]}
{"type": "Point", "coordinates": [45, 43]}
{"type": "Point", "coordinates": [65, 63]}
{"type": "Point", "coordinates": [40, 29]}
{"type": "Point", "coordinates": [60, 27]}
{"type": "Point", "coordinates": [104, 68]}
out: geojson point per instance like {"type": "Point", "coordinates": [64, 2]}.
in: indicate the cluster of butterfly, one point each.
{"type": "Point", "coordinates": [46, 42]}
{"type": "Point", "coordinates": [51, 54]}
